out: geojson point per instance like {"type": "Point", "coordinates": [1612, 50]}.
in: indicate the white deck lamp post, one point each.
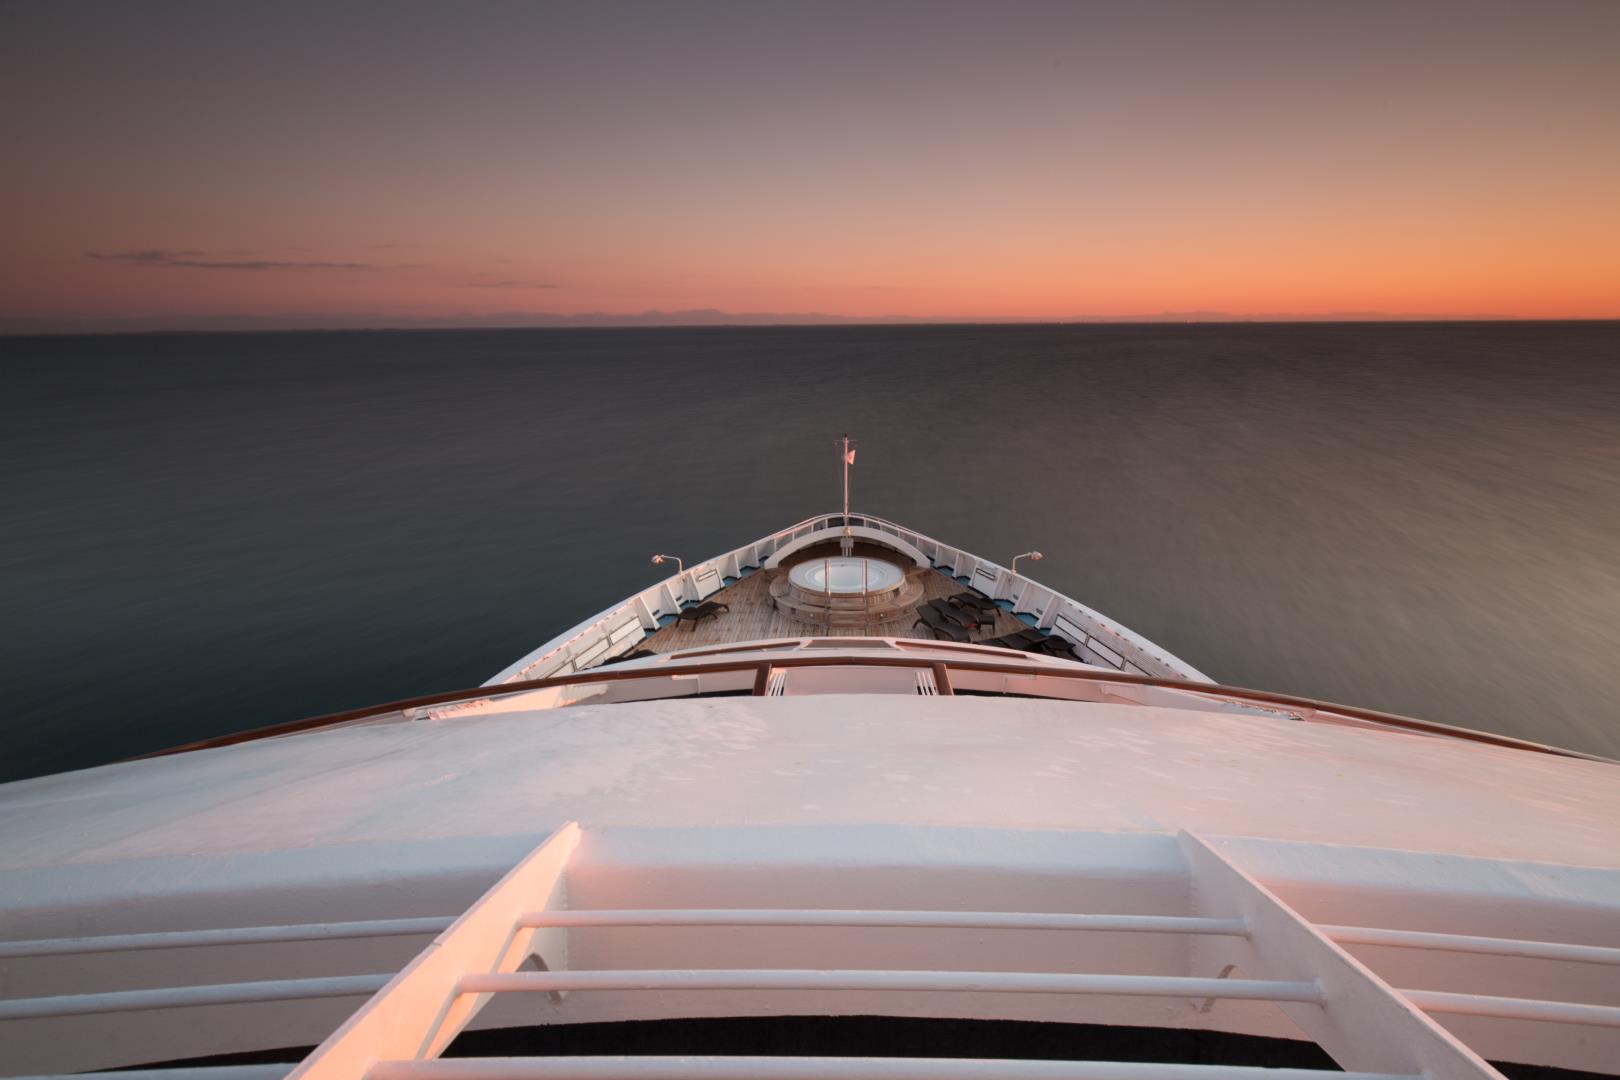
{"type": "Point", "coordinates": [659, 560]}
{"type": "Point", "coordinates": [1032, 556]}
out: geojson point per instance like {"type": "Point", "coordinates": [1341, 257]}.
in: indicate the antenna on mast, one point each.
{"type": "Point", "coordinates": [847, 544]}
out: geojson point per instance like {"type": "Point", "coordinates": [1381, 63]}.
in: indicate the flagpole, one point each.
{"type": "Point", "coordinates": [845, 457]}
{"type": "Point", "coordinates": [848, 544]}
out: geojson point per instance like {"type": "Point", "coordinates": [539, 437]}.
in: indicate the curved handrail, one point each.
{"type": "Point", "coordinates": [509, 674]}
{"type": "Point", "coordinates": [591, 637]}
{"type": "Point", "coordinates": [930, 661]}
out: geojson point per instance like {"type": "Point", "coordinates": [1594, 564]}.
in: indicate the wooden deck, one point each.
{"type": "Point", "coordinates": [754, 617]}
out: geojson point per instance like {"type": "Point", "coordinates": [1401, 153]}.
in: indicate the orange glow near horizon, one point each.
{"type": "Point", "coordinates": [1275, 161]}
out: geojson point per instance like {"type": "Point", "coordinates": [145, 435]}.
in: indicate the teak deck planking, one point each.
{"type": "Point", "coordinates": [753, 616]}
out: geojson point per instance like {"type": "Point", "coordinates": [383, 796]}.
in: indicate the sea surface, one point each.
{"type": "Point", "coordinates": [204, 533]}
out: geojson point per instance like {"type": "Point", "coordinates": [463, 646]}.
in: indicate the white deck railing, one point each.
{"type": "Point", "coordinates": [1242, 929]}
{"type": "Point", "coordinates": [245, 935]}
{"type": "Point", "coordinates": [1366, 1026]}
{"type": "Point", "coordinates": [617, 630]}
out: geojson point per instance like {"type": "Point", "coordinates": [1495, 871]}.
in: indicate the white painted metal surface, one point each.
{"type": "Point", "coordinates": [1071, 765]}
{"type": "Point", "coordinates": [422, 1008]}
{"type": "Point", "coordinates": [1359, 1019]}
{"type": "Point", "coordinates": [725, 864]}
{"type": "Point", "coordinates": [175, 997]}
{"type": "Point", "coordinates": [958, 920]}
{"type": "Point", "coordinates": [1268, 951]}
{"type": "Point", "coordinates": [1469, 943]}
{"type": "Point", "coordinates": [1505, 1008]}
{"type": "Point", "coordinates": [247, 935]}
{"type": "Point", "coordinates": [400, 1023]}
{"type": "Point", "coordinates": [962, 982]}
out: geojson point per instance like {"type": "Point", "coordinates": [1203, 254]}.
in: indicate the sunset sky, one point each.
{"type": "Point", "coordinates": [280, 164]}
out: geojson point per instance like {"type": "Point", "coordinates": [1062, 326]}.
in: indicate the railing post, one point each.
{"type": "Point", "coordinates": [1363, 1022]}
{"type": "Point", "coordinates": [422, 1009]}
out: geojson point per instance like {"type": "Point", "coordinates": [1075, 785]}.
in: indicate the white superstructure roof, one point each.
{"type": "Point", "coordinates": [1391, 842]}
{"type": "Point", "coordinates": [824, 760]}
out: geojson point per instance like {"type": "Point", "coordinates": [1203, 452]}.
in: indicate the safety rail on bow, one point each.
{"type": "Point", "coordinates": [616, 631]}
{"type": "Point", "coordinates": [1368, 1027]}
{"type": "Point", "coordinates": [1252, 946]}
{"type": "Point", "coordinates": [764, 672]}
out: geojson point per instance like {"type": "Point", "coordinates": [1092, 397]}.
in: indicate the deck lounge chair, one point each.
{"type": "Point", "coordinates": [639, 654]}
{"type": "Point", "coordinates": [960, 616]}
{"type": "Point", "coordinates": [940, 625]}
{"type": "Point", "coordinates": [974, 602]}
{"type": "Point", "coordinates": [1033, 641]}
{"type": "Point", "coordinates": [1056, 646]}
{"type": "Point", "coordinates": [1025, 640]}
{"type": "Point", "coordinates": [697, 613]}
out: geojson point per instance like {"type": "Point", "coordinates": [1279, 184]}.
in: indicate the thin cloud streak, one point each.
{"type": "Point", "coordinates": [201, 260]}
{"type": "Point", "coordinates": [508, 285]}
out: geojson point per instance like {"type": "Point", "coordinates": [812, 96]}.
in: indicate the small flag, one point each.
{"type": "Point", "coordinates": [850, 457]}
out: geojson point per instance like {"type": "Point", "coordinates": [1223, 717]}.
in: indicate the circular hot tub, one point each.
{"type": "Point", "coordinates": [845, 590]}
{"type": "Point", "coordinates": [845, 576]}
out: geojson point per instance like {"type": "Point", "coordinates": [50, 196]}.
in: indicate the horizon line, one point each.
{"type": "Point", "coordinates": [709, 318]}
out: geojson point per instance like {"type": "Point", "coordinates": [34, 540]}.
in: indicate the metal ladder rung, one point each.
{"type": "Point", "coordinates": [1465, 943]}
{"type": "Point", "coordinates": [964, 920]}
{"type": "Point", "coordinates": [1511, 1008]}
{"type": "Point", "coordinates": [181, 997]}
{"type": "Point", "coordinates": [1003, 982]}
{"type": "Point", "coordinates": [241, 935]}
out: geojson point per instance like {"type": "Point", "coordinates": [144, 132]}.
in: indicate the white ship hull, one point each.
{"type": "Point", "coordinates": [820, 825]}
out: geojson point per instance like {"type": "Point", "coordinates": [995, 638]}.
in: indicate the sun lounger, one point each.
{"type": "Point", "coordinates": [940, 625]}
{"type": "Point", "coordinates": [959, 616]}
{"type": "Point", "coordinates": [697, 613]}
{"type": "Point", "coordinates": [639, 654]}
{"type": "Point", "coordinates": [974, 602]}
{"type": "Point", "coordinates": [1056, 646]}
{"type": "Point", "coordinates": [1025, 640]}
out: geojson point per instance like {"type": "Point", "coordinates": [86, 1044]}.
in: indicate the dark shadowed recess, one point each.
{"type": "Point", "coordinates": [889, 1036]}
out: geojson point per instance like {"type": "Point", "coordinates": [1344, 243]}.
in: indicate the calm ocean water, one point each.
{"type": "Point", "coordinates": [205, 533]}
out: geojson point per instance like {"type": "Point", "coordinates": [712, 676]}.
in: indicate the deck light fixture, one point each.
{"type": "Point", "coordinates": [1032, 556]}
{"type": "Point", "coordinates": [680, 567]}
